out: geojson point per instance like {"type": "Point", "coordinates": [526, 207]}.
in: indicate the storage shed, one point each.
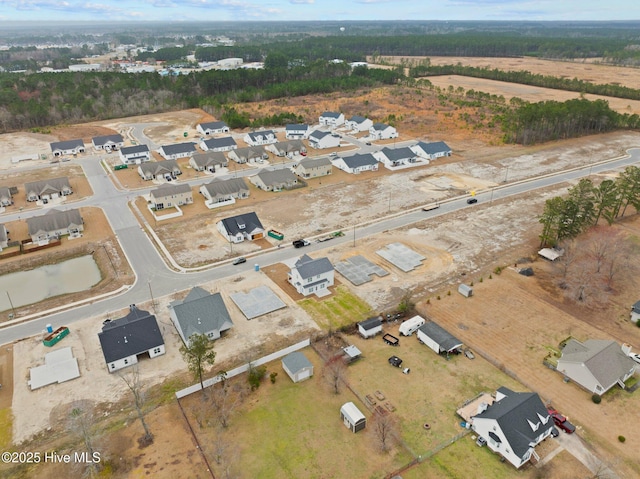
{"type": "Point", "coordinates": [297, 366]}
{"type": "Point", "coordinates": [352, 418]}
{"type": "Point", "coordinates": [465, 290]}
{"type": "Point", "coordinates": [370, 327]}
{"type": "Point", "coordinates": [438, 339]}
{"type": "Point", "coordinates": [351, 353]}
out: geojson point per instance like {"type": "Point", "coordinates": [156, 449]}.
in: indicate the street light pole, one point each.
{"type": "Point", "coordinates": [506, 176]}
{"type": "Point", "coordinates": [11, 303]}
{"type": "Point", "coordinates": [153, 301]}
{"type": "Point", "coordinates": [354, 236]}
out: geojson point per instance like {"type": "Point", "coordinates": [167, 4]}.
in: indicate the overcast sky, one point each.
{"type": "Point", "coordinates": [264, 10]}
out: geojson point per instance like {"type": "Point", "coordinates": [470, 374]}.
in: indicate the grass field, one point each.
{"type": "Point", "coordinates": [341, 309]}
{"type": "Point", "coordinates": [5, 427]}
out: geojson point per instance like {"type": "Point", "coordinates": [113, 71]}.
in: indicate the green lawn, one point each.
{"type": "Point", "coordinates": [341, 309]}
{"type": "Point", "coordinates": [6, 425]}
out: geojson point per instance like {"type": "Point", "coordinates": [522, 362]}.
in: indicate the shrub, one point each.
{"type": "Point", "coordinates": [497, 270]}
{"type": "Point", "coordinates": [596, 398]}
{"type": "Point", "coordinates": [622, 438]}
{"type": "Point", "coordinates": [438, 297]}
{"type": "Point", "coordinates": [471, 284]}
{"type": "Point", "coordinates": [255, 376]}
{"type": "Point", "coordinates": [428, 301]}
{"type": "Point", "coordinates": [449, 293]}
{"type": "Point", "coordinates": [273, 376]}
{"type": "Point", "coordinates": [480, 280]}
{"type": "Point", "coordinates": [490, 277]}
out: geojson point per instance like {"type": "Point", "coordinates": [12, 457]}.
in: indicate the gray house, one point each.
{"type": "Point", "coordinates": [297, 366]}
{"type": "Point", "coordinates": [597, 364]}
{"type": "Point", "coordinates": [69, 147]}
{"type": "Point", "coordinates": [55, 223]}
{"type": "Point", "coordinates": [177, 151]}
{"type": "Point", "coordinates": [218, 190]}
{"type": "Point", "coordinates": [287, 148]}
{"type": "Point", "coordinates": [313, 167]}
{"type": "Point", "coordinates": [200, 313]}
{"type": "Point", "coordinates": [47, 189]}
{"type": "Point", "coordinates": [249, 154]}
{"type": "Point", "coordinates": [6, 198]}
{"type": "Point", "coordinates": [274, 180]}
{"type": "Point", "coordinates": [152, 170]}
{"type": "Point", "coordinates": [108, 142]}
{"type": "Point", "coordinates": [210, 161]}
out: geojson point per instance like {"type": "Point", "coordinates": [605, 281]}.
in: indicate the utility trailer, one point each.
{"type": "Point", "coordinates": [391, 340]}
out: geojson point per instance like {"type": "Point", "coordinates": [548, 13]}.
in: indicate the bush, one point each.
{"type": "Point", "coordinates": [273, 376]}
{"type": "Point", "coordinates": [471, 284]}
{"type": "Point", "coordinates": [449, 293]}
{"type": "Point", "coordinates": [490, 276]}
{"type": "Point", "coordinates": [622, 438]}
{"type": "Point", "coordinates": [438, 297]}
{"type": "Point", "coordinates": [255, 376]}
{"type": "Point", "coordinates": [596, 398]}
{"type": "Point", "coordinates": [480, 280]}
{"type": "Point", "coordinates": [497, 270]}
{"type": "Point", "coordinates": [428, 301]}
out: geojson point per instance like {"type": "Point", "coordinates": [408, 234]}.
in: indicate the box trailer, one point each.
{"type": "Point", "coordinates": [410, 326]}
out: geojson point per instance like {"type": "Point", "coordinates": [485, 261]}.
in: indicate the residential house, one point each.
{"type": "Point", "coordinates": [218, 190]}
{"type": "Point", "coordinates": [167, 169]}
{"type": "Point", "coordinates": [6, 198]}
{"type": "Point", "coordinates": [382, 131]}
{"type": "Point", "coordinates": [124, 339]}
{"type": "Point", "coordinates": [597, 364]}
{"type": "Point", "coordinates": [200, 312]}
{"type": "Point", "coordinates": [296, 131]}
{"type": "Point", "coordinates": [226, 143]}
{"type": "Point", "coordinates": [238, 228]}
{"type": "Point", "coordinates": [108, 142]}
{"type": "Point", "coordinates": [134, 155]}
{"type": "Point", "coordinates": [212, 127]}
{"type": "Point", "coordinates": [370, 327]}
{"type": "Point", "coordinates": [4, 237]}
{"type": "Point", "coordinates": [635, 309]}
{"type": "Point", "coordinates": [274, 180]}
{"type": "Point", "coordinates": [69, 147]}
{"type": "Point", "coordinates": [54, 224]}
{"type": "Point", "coordinates": [431, 151]}
{"type": "Point", "coordinates": [46, 190]}
{"type": "Point", "coordinates": [250, 154]}
{"type": "Point", "coordinates": [170, 195]}
{"type": "Point", "coordinates": [438, 339]}
{"type": "Point", "coordinates": [297, 366]}
{"type": "Point", "coordinates": [358, 124]}
{"type": "Point", "coordinates": [356, 163]}
{"type": "Point", "coordinates": [311, 276]}
{"type": "Point", "coordinates": [177, 151]}
{"type": "Point", "coordinates": [320, 140]}
{"type": "Point", "coordinates": [313, 167]}
{"type": "Point", "coordinates": [513, 425]}
{"type": "Point", "coordinates": [263, 137]}
{"type": "Point", "coordinates": [289, 149]}
{"type": "Point", "coordinates": [394, 157]}
{"type": "Point", "coordinates": [210, 161]}
{"type": "Point", "coordinates": [331, 119]}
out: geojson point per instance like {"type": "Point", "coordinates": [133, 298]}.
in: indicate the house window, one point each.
{"type": "Point", "coordinates": [113, 366]}
{"type": "Point", "coordinates": [156, 351]}
{"type": "Point", "coordinates": [126, 361]}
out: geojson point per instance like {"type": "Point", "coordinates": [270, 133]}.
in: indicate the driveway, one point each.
{"type": "Point", "coordinates": [574, 445]}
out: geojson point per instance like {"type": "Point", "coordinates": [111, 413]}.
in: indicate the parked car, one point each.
{"type": "Point", "coordinates": [300, 243]}
{"type": "Point", "coordinates": [333, 153]}
{"type": "Point", "coordinates": [471, 201]}
{"type": "Point", "coordinates": [240, 260]}
{"type": "Point", "coordinates": [554, 432]}
{"type": "Point", "coordinates": [635, 357]}
{"type": "Point", "coordinates": [395, 361]}
{"type": "Point", "coordinates": [561, 422]}
{"type": "Point", "coordinates": [481, 441]}
{"type": "Point", "coordinates": [469, 354]}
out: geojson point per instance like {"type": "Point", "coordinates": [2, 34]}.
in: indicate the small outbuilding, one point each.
{"type": "Point", "coordinates": [370, 327]}
{"type": "Point", "coordinates": [297, 366]}
{"type": "Point", "coordinates": [352, 417]}
{"type": "Point", "coordinates": [351, 353]}
{"type": "Point", "coordinates": [438, 339]}
{"type": "Point", "coordinates": [465, 290]}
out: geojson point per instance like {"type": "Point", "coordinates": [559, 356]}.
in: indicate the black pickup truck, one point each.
{"type": "Point", "coordinates": [300, 243]}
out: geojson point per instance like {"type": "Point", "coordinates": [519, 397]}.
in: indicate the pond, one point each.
{"type": "Point", "coordinates": [27, 287]}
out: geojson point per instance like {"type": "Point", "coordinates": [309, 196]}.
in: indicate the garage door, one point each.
{"type": "Point", "coordinates": [304, 375]}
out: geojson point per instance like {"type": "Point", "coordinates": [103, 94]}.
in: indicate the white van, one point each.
{"type": "Point", "coordinates": [410, 326]}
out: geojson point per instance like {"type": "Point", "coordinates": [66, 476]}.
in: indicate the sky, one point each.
{"type": "Point", "coordinates": [309, 10]}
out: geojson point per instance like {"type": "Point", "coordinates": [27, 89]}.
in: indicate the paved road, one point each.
{"type": "Point", "coordinates": [154, 277]}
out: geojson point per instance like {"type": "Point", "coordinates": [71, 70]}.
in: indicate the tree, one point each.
{"type": "Point", "coordinates": [406, 304]}
{"type": "Point", "coordinates": [198, 353]}
{"type": "Point", "coordinates": [133, 382]}
{"type": "Point", "coordinates": [81, 421]}
{"type": "Point", "coordinates": [334, 372]}
{"type": "Point", "coordinates": [385, 430]}
{"type": "Point", "coordinates": [225, 398]}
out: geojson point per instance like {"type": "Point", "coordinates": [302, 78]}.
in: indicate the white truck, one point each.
{"type": "Point", "coordinates": [411, 325]}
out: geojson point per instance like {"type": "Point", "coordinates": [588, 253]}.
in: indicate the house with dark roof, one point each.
{"type": "Point", "coordinates": [311, 276]}
{"type": "Point", "coordinates": [210, 161]}
{"type": "Point", "coordinates": [108, 142]}
{"type": "Point", "coordinates": [177, 150]}
{"type": "Point", "coordinates": [287, 148]}
{"type": "Point", "coordinates": [395, 157]}
{"type": "Point", "coordinates": [382, 131]}
{"type": "Point", "coordinates": [275, 180]}
{"type": "Point", "coordinates": [357, 163]}
{"type": "Point", "coordinates": [220, 191]}
{"type": "Point", "coordinates": [313, 167]}
{"type": "Point", "coordinates": [321, 140]}
{"type": "Point", "coordinates": [69, 147]}
{"type": "Point", "coordinates": [431, 151]}
{"type": "Point", "coordinates": [209, 128]}
{"type": "Point", "coordinates": [200, 312]}
{"type": "Point", "coordinates": [123, 340]}
{"type": "Point", "coordinates": [297, 366]}
{"type": "Point", "coordinates": [54, 224]}
{"type": "Point", "coordinates": [597, 364]}
{"type": "Point", "coordinates": [170, 195]}
{"type": "Point", "coordinates": [513, 425]}
{"type": "Point", "coordinates": [238, 228]}
{"type": "Point", "coordinates": [134, 155]}
{"type": "Point", "coordinates": [437, 338]}
{"type": "Point", "coordinates": [331, 118]}
{"type": "Point", "coordinates": [167, 169]}
{"type": "Point", "coordinates": [225, 143]}
{"type": "Point", "coordinates": [262, 137]}
{"type": "Point", "coordinates": [49, 189]}
{"type": "Point", "coordinates": [358, 124]}
{"type": "Point", "coordinates": [249, 154]}
{"type": "Point", "coordinates": [6, 198]}
{"type": "Point", "coordinates": [296, 131]}
{"type": "Point", "coordinates": [370, 327]}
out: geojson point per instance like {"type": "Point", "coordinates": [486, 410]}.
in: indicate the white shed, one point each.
{"type": "Point", "coordinates": [465, 290]}
{"type": "Point", "coordinates": [297, 366]}
{"type": "Point", "coordinates": [352, 418]}
{"type": "Point", "coordinates": [438, 339]}
{"type": "Point", "coordinates": [370, 327]}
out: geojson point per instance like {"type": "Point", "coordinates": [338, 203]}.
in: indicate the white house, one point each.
{"type": "Point", "coordinates": [381, 131]}
{"type": "Point", "coordinates": [438, 339]}
{"type": "Point", "coordinates": [359, 124]}
{"type": "Point", "coordinates": [431, 151]}
{"type": "Point", "coordinates": [210, 161]}
{"type": "Point", "coordinates": [177, 151]}
{"type": "Point", "coordinates": [238, 228]}
{"type": "Point", "coordinates": [311, 276]}
{"type": "Point", "coordinates": [124, 339]}
{"type": "Point", "coordinates": [108, 142]}
{"type": "Point", "coordinates": [356, 163]}
{"type": "Point", "coordinates": [54, 224]}
{"type": "Point", "coordinates": [513, 425]}
{"type": "Point", "coordinates": [226, 143]}
{"type": "Point", "coordinates": [49, 189]}
{"type": "Point", "coordinates": [370, 327]}
{"type": "Point", "coordinates": [297, 366]}
{"type": "Point", "coordinates": [597, 364]}
{"type": "Point", "coordinates": [331, 118]}
{"type": "Point", "coordinates": [296, 131]}
{"type": "Point", "coordinates": [263, 137]}
{"type": "Point", "coordinates": [323, 139]}
{"type": "Point", "coordinates": [394, 157]}
{"type": "Point", "coordinates": [134, 155]}
{"type": "Point", "coordinates": [69, 147]}
{"type": "Point", "coordinates": [212, 127]}
{"type": "Point", "coordinates": [167, 169]}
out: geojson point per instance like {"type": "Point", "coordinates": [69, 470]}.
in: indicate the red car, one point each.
{"type": "Point", "coordinates": [561, 422]}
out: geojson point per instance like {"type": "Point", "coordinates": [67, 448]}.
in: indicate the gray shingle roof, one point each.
{"type": "Point", "coordinates": [296, 361]}
{"type": "Point", "coordinates": [318, 134]}
{"type": "Point", "coordinates": [226, 187]}
{"type": "Point", "coordinates": [262, 133]}
{"type": "Point", "coordinates": [234, 224]}
{"type": "Point", "coordinates": [380, 126]}
{"type": "Point", "coordinates": [289, 146]}
{"type": "Point", "coordinates": [208, 158]}
{"type": "Point", "coordinates": [158, 167]}
{"type": "Point", "coordinates": [358, 160]}
{"type": "Point", "coordinates": [132, 150]}
{"type": "Point", "coordinates": [67, 145]}
{"type": "Point", "coordinates": [134, 333]}
{"type": "Point", "coordinates": [250, 152]}
{"type": "Point", "coordinates": [398, 153]}
{"type": "Point", "coordinates": [296, 127]}
{"type": "Point", "coordinates": [178, 148]}
{"type": "Point", "coordinates": [330, 114]}
{"type": "Point", "coordinates": [358, 119]}
{"type": "Point", "coordinates": [434, 147]}
{"type": "Point", "coordinates": [602, 357]}
{"type": "Point", "coordinates": [445, 340]}
{"type": "Point", "coordinates": [223, 142]}
{"type": "Point", "coordinates": [277, 177]}
{"type": "Point", "coordinates": [43, 187]}
{"type": "Point", "coordinates": [3, 233]}
{"type": "Point", "coordinates": [102, 140]}
{"type": "Point", "coordinates": [53, 220]}
{"type": "Point", "coordinates": [166, 190]}
{"type": "Point", "coordinates": [370, 323]}
{"type": "Point", "coordinates": [213, 125]}
{"type": "Point", "coordinates": [315, 162]}
{"type": "Point", "coordinates": [308, 267]}
{"type": "Point", "coordinates": [201, 312]}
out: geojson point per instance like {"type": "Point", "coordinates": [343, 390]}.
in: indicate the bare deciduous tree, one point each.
{"type": "Point", "coordinates": [133, 382]}
{"type": "Point", "coordinates": [385, 430]}
{"type": "Point", "coordinates": [81, 421]}
{"type": "Point", "coordinates": [334, 372]}
{"type": "Point", "coordinates": [225, 398]}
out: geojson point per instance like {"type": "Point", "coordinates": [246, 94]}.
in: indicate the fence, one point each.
{"type": "Point", "coordinates": [244, 368]}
